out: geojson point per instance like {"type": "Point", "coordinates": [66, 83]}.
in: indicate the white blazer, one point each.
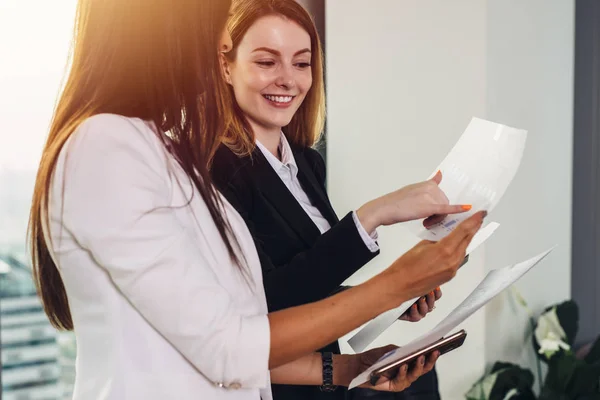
{"type": "Point", "coordinates": [160, 311]}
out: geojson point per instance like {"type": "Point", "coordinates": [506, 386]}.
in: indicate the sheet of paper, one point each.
{"type": "Point", "coordinates": [377, 326]}
{"type": "Point", "coordinates": [494, 283]}
{"type": "Point", "coordinates": [476, 171]}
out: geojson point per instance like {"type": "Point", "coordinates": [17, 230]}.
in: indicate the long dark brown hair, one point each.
{"type": "Point", "coordinates": [155, 60]}
{"type": "Point", "coordinates": [306, 126]}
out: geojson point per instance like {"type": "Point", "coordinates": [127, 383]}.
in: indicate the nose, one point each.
{"type": "Point", "coordinates": [286, 79]}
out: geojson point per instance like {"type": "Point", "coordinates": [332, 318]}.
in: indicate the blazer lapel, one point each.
{"type": "Point", "coordinates": [278, 195]}
{"type": "Point", "coordinates": [313, 189]}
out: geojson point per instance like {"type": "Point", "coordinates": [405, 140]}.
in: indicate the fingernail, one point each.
{"type": "Point", "coordinates": [414, 306]}
{"type": "Point", "coordinates": [437, 288]}
{"type": "Point", "coordinates": [431, 293]}
{"type": "Point", "coordinates": [484, 214]}
{"type": "Point", "coordinates": [422, 360]}
{"type": "Point", "coordinates": [466, 207]}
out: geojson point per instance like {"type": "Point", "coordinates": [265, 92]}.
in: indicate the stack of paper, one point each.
{"type": "Point", "coordinates": [494, 283]}
{"type": "Point", "coordinates": [477, 171]}
{"type": "Point", "coordinates": [377, 326]}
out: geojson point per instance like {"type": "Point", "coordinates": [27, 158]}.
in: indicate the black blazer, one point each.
{"type": "Point", "coordinates": [299, 264]}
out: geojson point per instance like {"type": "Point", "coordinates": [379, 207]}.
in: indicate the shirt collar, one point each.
{"type": "Point", "coordinates": [287, 156]}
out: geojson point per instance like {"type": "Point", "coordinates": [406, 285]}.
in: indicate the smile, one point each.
{"type": "Point", "coordinates": [279, 99]}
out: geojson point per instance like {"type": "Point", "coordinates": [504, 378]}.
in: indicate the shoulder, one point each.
{"type": "Point", "coordinates": [314, 157]}
{"type": "Point", "coordinates": [315, 161]}
{"type": "Point", "coordinates": [114, 135]}
{"type": "Point", "coordinates": [112, 127]}
{"type": "Point", "coordinates": [115, 146]}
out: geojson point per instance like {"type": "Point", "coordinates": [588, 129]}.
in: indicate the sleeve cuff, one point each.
{"type": "Point", "coordinates": [368, 239]}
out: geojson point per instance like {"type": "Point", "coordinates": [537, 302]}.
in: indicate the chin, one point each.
{"type": "Point", "coordinates": [278, 123]}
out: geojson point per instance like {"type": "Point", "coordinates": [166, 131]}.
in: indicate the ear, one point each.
{"type": "Point", "coordinates": [225, 68]}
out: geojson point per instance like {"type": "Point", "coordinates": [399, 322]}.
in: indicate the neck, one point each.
{"type": "Point", "coordinates": [270, 138]}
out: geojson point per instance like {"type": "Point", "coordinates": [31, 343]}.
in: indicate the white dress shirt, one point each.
{"type": "Point", "coordinates": [160, 311]}
{"type": "Point", "coordinates": [287, 170]}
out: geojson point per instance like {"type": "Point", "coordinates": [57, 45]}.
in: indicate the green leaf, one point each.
{"type": "Point", "coordinates": [560, 371]}
{"type": "Point", "coordinates": [594, 354]}
{"type": "Point", "coordinates": [511, 376]}
{"type": "Point", "coordinates": [482, 388]}
{"type": "Point", "coordinates": [500, 365]}
{"type": "Point", "coordinates": [568, 315]}
{"type": "Point", "coordinates": [548, 394]}
{"type": "Point", "coordinates": [585, 380]}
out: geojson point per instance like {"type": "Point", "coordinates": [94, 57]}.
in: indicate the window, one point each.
{"type": "Point", "coordinates": [37, 361]}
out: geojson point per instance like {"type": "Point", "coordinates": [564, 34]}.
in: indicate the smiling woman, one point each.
{"type": "Point", "coordinates": [270, 173]}
{"type": "Point", "coordinates": [277, 59]}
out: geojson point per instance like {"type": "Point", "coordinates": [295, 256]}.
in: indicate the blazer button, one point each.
{"type": "Point", "coordinates": [235, 386]}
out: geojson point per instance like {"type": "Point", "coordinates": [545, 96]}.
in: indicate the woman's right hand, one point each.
{"type": "Point", "coordinates": [420, 200]}
{"type": "Point", "coordinates": [429, 264]}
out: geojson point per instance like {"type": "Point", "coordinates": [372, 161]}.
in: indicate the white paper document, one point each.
{"type": "Point", "coordinates": [377, 326]}
{"type": "Point", "coordinates": [494, 283]}
{"type": "Point", "coordinates": [477, 171]}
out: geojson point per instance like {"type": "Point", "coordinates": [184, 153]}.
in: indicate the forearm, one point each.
{"type": "Point", "coordinates": [298, 331]}
{"type": "Point", "coordinates": [308, 370]}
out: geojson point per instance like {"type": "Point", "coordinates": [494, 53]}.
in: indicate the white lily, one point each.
{"type": "Point", "coordinates": [551, 344]}
{"type": "Point", "coordinates": [549, 334]}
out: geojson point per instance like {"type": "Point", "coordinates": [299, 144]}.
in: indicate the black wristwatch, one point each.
{"type": "Point", "coordinates": [328, 385]}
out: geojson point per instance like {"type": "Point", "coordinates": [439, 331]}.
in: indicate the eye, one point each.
{"type": "Point", "coordinates": [303, 65]}
{"type": "Point", "coordinates": [265, 63]}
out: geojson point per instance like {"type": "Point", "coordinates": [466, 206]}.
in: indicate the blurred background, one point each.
{"type": "Point", "coordinates": [404, 78]}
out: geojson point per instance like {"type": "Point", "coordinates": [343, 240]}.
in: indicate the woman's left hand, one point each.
{"type": "Point", "coordinates": [422, 307]}
{"type": "Point", "coordinates": [405, 376]}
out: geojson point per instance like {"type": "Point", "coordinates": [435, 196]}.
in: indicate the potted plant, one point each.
{"type": "Point", "coordinates": [570, 375]}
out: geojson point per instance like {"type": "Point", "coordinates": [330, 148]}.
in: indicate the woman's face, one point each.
{"type": "Point", "coordinates": [271, 73]}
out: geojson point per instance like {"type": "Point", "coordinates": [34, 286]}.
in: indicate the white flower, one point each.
{"type": "Point", "coordinates": [551, 344]}
{"type": "Point", "coordinates": [549, 335]}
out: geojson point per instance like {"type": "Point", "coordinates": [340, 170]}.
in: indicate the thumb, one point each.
{"type": "Point", "coordinates": [437, 178]}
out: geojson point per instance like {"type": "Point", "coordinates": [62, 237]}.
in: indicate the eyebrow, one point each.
{"type": "Point", "coordinates": [277, 53]}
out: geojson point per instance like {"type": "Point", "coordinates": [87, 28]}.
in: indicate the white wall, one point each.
{"type": "Point", "coordinates": [530, 49]}
{"type": "Point", "coordinates": [404, 78]}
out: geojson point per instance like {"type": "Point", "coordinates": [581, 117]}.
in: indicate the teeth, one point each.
{"type": "Point", "coordinates": [279, 99]}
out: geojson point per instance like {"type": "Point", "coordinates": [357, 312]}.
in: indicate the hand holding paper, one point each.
{"type": "Point", "coordinates": [401, 381]}
{"type": "Point", "coordinates": [377, 326]}
{"type": "Point", "coordinates": [429, 264]}
{"type": "Point", "coordinates": [416, 201]}
{"type": "Point", "coordinates": [494, 283]}
{"type": "Point", "coordinates": [477, 171]}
